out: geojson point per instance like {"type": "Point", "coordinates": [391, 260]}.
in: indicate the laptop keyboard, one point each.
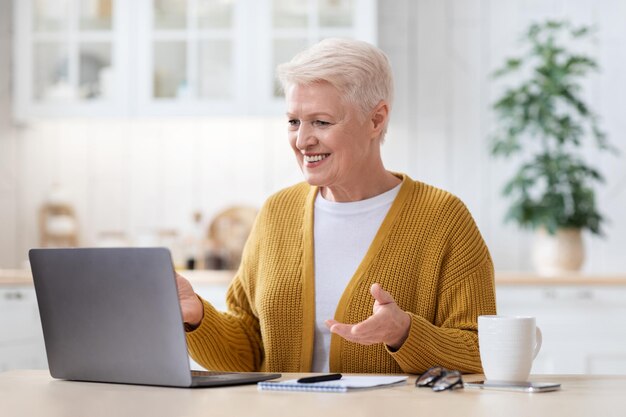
{"type": "Point", "coordinates": [205, 374]}
{"type": "Point", "coordinates": [219, 378]}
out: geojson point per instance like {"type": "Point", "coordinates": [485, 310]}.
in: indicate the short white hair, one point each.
{"type": "Point", "coordinates": [358, 70]}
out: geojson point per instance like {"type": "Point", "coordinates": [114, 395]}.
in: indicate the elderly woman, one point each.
{"type": "Point", "coordinates": [358, 269]}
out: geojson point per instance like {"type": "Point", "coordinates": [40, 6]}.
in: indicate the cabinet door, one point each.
{"type": "Point", "coordinates": [214, 294]}
{"type": "Point", "coordinates": [294, 25]}
{"type": "Point", "coordinates": [191, 57]}
{"type": "Point", "coordinates": [212, 58]}
{"type": "Point", "coordinates": [168, 57]}
{"type": "Point", "coordinates": [582, 332]}
{"type": "Point", "coordinates": [68, 56]}
{"type": "Point", "coordinates": [22, 356]}
{"type": "Point", "coordinates": [21, 338]}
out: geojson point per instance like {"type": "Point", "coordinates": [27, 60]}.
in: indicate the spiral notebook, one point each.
{"type": "Point", "coordinates": [345, 384]}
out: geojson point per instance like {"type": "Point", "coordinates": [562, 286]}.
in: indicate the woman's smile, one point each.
{"type": "Point", "coordinates": [314, 160]}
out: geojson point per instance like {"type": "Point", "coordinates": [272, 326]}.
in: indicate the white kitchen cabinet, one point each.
{"type": "Point", "coordinates": [69, 58]}
{"type": "Point", "coordinates": [21, 338]}
{"type": "Point", "coordinates": [583, 325]}
{"type": "Point", "coordinates": [167, 57]}
{"type": "Point", "coordinates": [214, 294]}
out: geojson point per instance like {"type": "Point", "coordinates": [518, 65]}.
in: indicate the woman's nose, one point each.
{"type": "Point", "coordinates": [305, 137]}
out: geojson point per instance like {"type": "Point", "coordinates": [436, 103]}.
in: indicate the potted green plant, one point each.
{"type": "Point", "coordinates": [544, 123]}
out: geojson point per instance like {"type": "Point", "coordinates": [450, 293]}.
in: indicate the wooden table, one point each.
{"type": "Point", "coordinates": [35, 393]}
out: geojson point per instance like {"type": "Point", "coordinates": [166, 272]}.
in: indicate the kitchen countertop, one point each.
{"type": "Point", "coordinates": [15, 277]}
{"type": "Point", "coordinates": [511, 278]}
{"type": "Point", "coordinates": [9, 277]}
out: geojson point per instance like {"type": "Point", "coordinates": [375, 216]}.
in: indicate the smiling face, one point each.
{"type": "Point", "coordinates": [337, 148]}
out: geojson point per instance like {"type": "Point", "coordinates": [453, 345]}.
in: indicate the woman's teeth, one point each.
{"type": "Point", "coordinates": [314, 158]}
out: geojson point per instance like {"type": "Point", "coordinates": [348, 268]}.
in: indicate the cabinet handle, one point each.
{"type": "Point", "coordinates": [583, 294]}
{"type": "Point", "coordinates": [16, 295]}
{"type": "Point", "coordinates": [550, 294]}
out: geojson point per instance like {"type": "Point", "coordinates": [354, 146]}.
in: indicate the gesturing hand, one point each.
{"type": "Point", "coordinates": [389, 324]}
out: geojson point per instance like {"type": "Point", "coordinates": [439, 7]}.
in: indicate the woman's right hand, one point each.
{"type": "Point", "coordinates": [190, 304]}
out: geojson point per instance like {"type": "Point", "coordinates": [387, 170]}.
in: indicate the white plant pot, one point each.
{"type": "Point", "coordinates": [559, 253]}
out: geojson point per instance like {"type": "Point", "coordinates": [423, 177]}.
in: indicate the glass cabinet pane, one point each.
{"type": "Point", "coordinates": [95, 14]}
{"type": "Point", "coordinates": [50, 15]}
{"type": "Point", "coordinates": [170, 70]}
{"type": "Point", "coordinates": [51, 72]}
{"type": "Point", "coordinates": [290, 13]}
{"type": "Point", "coordinates": [184, 56]}
{"type": "Point", "coordinates": [336, 13]}
{"type": "Point", "coordinates": [95, 72]}
{"type": "Point", "coordinates": [170, 14]}
{"type": "Point", "coordinates": [284, 50]}
{"type": "Point", "coordinates": [215, 14]}
{"type": "Point", "coordinates": [216, 69]}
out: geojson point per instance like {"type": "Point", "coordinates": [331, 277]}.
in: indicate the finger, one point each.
{"type": "Point", "coordinates": [183, 286]}
{"type": "Point", "coordinates": [180, 280]}
{"type": "Point", "coordinates": [348, 329]}
{"type": "Point", "coordinates": [380, 295]}
{"type": "Point", "coordinates": [366, 332]}
{"type": "Point", "coordinates": [180, 283]}
{"type": "Point", "coordinates": [343, 330]}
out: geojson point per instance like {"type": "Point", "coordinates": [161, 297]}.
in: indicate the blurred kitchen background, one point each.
{"type": "Point", "coordinates": [138, 115]}
{"type": "Point", "coordinates": [143, 115]}
{"type": "Point", "coordinates": [159, 122]}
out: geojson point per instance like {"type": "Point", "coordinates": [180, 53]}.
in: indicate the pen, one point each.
{"type": "Point", "coordinates": [319, 378]}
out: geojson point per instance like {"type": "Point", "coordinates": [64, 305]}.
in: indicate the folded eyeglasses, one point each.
{"type": "Point", "coordinates": [440, 379]}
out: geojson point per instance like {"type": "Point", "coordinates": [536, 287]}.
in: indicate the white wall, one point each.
{"type": "Point", "coordinates": [141, 175]}
{"type": "Point", "coordinates": [443, 53]}
{"type": "Point", "coordinates": [8, 145]}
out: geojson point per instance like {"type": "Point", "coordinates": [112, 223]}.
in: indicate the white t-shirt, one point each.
{"type": "Point", "coordinates": [343, 232]}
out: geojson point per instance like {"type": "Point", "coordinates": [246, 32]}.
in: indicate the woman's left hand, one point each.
{"type": "Point", "coordinates": [389, 324]}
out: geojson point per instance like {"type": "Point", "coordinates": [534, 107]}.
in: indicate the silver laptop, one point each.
{"type": "Point", "coordinates": [113, 315]}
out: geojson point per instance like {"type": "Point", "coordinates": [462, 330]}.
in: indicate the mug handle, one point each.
{"type": "Point", "coordinates": [538, 340]}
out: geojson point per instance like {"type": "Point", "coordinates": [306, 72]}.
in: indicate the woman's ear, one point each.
{"type": "Point", "coordinates": [380, 114]}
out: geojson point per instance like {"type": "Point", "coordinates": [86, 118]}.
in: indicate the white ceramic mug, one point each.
{"type": "Point", "coordinates": [508, 346]}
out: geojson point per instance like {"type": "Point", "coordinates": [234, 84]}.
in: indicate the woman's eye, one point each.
{"type": "Point", "coordinates": [293, 123]}
{"type": "Point", "coordinates": [321, 123]}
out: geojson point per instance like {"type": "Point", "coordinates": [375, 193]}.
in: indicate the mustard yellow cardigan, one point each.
{"type": "Point", "coordinates": [428, 253]}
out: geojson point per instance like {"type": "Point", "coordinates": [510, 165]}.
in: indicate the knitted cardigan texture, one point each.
{"type": "Point", "coordinates": [428, 254]}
